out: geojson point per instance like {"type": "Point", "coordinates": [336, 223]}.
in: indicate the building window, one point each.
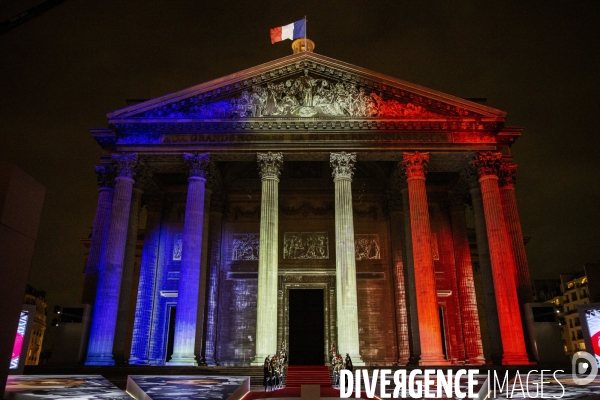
{"type": "Point", "coordinates": [574, 296]}
{"type": "Point", "coordinates": [570, 323]}
{"type": "Point", "coordinates": [581, 346]}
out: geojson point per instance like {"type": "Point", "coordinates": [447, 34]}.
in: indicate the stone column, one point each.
{"type": "Point", "coordinates": [507, 179]}
{"type": "Point", "coordinates": [143, 311]}
{"type": "Point", "coordinates": [266, 314]}
{"type": "Point", "coordinates": [189, 275]}
{"type": "Point", "coordinates": [487, 279]}
{"type": "Point", "coordinates": [345, 258]}
{"type": "Point", "coordinates": [396, 227]}
{"type": "Point", "coordinates": [203, 292]}
{"type": "Point", "coordinates": [487, 166]}
{"type": "Point", "coordinates": [128, 266]}
{"type": "Point", "coordinates": [106, 180]}
{"type": "Point", "coordinates": [414, 165]}
{"type": "Point", "coordinates": [413, 316]}
{"type": "Point", "coordinates": [464, 280]}
{"type": "Point", "coordinates": [106, 306]}
{"type": "Point", "coordinates": [216, 220]}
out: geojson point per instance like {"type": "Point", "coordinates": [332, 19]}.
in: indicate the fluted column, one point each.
{"type": "Point", "coordinates": [266, 314]}
{"type": "Point", "coordinates": [203, 292]}
{"type": "Point", "coordinates": [503, 265]}
{"type": "Point", "coordinates": [345, 258]}
{"type": "Point", "coordinates": [414, 165]}
{"type": "Point", "coordinates": [507, 179]}
{"type": "Point", "coordinates": [119, 355]}
{"type": "Point", "coordinates": [189, 275]}
{"type": "Point", "coordinates": [143, 311]}
{"type": "Point", "coordinates": [413, 315]}
{"type": "Point", "coordinates": [106, 181]}
{"type": "Point", "coordinates": [465, 281]}
{"type": "Point", "coordinates": [487, 278]}
{"type": "Point", "coordinates": [106, 306]}
{"type": "Point", "coordinates": [396, 227]}
{"type": "Point", "coordinates": [216, 217]}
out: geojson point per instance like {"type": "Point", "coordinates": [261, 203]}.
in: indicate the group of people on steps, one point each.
{"type": "Point", "coordinates": [338, 363]}
{"type": "Point", "coordinates": [274, 370]}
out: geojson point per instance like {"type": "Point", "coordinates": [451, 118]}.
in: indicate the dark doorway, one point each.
{"type": "Point", "coordinates": [307, 327]}
{"type": "Point", "coordinates": [171, 333]}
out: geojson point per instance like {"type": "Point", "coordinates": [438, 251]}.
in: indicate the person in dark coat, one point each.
{"type": "Point", "coordinates": [267, 373]}
{"type": "Point", "coordinates": [349, 365]}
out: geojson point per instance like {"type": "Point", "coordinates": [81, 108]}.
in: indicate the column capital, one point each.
{"type": "Point", "coordinates": [487, 163]}
{"type": "Point", "coordinates": [414, 165]}
{"type": "Point", "coordinates": [125, 164]}
{"type": "Point", "coordinates": [197, 163]}
{"type": "Point", "coordinates": [105, 174]}
{"type": "Point", "coordinates": [269, 164]}
{"type": "Point", "coordinates": [342, 164]}
{"type": "Point", "coordinates": [507, 176]}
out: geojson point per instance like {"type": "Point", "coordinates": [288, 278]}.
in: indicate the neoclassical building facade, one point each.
{"type": "Point", "coordinates": [306, 174]}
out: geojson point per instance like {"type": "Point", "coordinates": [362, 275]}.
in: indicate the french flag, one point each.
{"type": "Point", "coordinates": [295, 30]}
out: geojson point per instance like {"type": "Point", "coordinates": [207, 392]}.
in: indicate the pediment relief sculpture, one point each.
{"type": "Point", "coordinates": [302, 96]}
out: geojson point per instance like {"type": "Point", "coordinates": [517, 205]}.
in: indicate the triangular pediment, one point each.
{"type": "Point", "coordinates": [305, 85]}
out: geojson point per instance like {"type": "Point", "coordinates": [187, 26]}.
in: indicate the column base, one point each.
{"type": "Point", "coordinates": [516, 359]}
{"type": "Point", "coordinates": [183, 360]}
{"type": "Point", "coordinates": [138, 361]}
{"type": "Point", "coordinates": [100, 360]}
{"type": "Point", "coordinates": [475, 361]}
{"type": "Point", "coordinates": [357, 360]}
{"type": "Point", "coordinates": [259, 360]}
{"type": "Point", "coordinates": [432, 360]}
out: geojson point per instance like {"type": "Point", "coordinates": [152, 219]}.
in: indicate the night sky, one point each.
{"type": "Point", "coordinates": [538, 60]}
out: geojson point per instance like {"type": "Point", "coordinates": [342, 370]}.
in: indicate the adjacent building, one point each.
{"type": "Point", "coordinates": [34, 349]}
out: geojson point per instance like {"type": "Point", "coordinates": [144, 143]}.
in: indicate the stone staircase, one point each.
{"type": "Point", "coordinates": [298, 375]}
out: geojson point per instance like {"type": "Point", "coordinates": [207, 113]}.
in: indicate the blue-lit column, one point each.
{"type": "Point", "coordinates": [189, 276]}
{"type": "Point", "coordinates": [143, 311]}
{"type": "Point", "coordinates": [104, 317]}
{"type": "Point", "coordinates": [216, 216]}
{"type": "Point", "coordinates": [266, 302]}
{"type": "Point", "coordinates": [106, 181]}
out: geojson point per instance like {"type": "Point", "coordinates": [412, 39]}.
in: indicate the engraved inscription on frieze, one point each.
{"type": "Point", "coordinates": [305, 245]}
{"type": "Point", "coordinates": [366, 247]}
{"type": "Point", "coordinates": [177, 246]}
{"type": "Point", "coordinates": [245, 247]}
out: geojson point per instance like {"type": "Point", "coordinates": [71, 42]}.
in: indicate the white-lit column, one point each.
{"type": "Point", "coordinates": [266, 314]}
{"type": "Point", "coordinates": [345, 259]}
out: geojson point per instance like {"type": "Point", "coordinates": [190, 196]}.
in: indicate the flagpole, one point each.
{"type": "Point", "coordinates": [305, 28]}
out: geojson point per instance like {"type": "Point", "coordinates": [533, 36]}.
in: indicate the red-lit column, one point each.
{"type": "Point", "coordinates": [414, 165]}
{"type": "Point", "coordinates": [465, 282]}
{"type": "Point", "coordinates": [487, 166]}
{"type": "Point", "coordinates": [396, 227]}
{"type": "Point", "coordinates": [506, 181]}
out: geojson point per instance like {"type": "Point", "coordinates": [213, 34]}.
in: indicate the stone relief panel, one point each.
{"type": "Point", "coordinates": [245, 247]}
{"type": "Point", "coordinates": [366, 247]}
{"type": "Point", "coordinates": [302, 96]}
{"type": "Point", "coordinates": [177, 246]}
{"type": "Point", "coordinates": [305, 245]}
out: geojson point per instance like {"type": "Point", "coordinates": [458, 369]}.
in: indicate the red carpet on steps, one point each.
{"type": "Point", "coordinates": [293, 392]}
{"type": "Point", "coordinates": [307, 375]}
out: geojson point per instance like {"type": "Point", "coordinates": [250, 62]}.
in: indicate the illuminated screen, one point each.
{"type": "Point", "coordinates": [593, 322]}
{"type": "Point", "coordinates": [19, 339]}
